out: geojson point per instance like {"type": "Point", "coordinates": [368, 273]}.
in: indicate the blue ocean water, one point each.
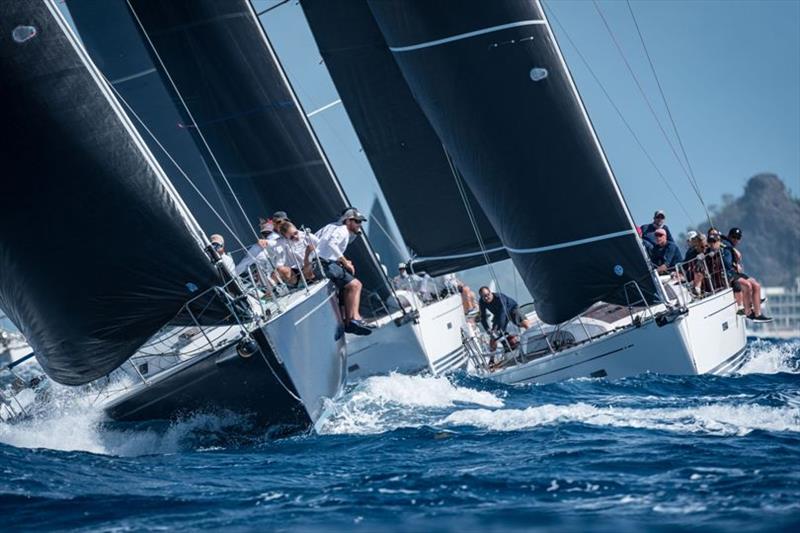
{"type": "Point", "coordinates": [438, 454]}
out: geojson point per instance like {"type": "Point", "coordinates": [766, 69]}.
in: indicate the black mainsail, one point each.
{"type": "Point", "coordinates": [405, 154]}
{"type": "Point", "coordinates": [97, 251]}
{"type": "Point", "coordinates": [491, 80]}
{"type": "Point", "coordinates": [224, 70]}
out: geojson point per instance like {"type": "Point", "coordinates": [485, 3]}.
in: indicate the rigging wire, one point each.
{"type": "Point", "coordinates": [667, 107]}
{"type": "Point", "coordinates": [267, 10]}
{"type": "Point", "coordinates": [649, 104]}
{"type": "Point", "coordinates": [621, 115]}
{"type": "Point", "coordinates": [191, 117]}
{"type": "Point", "coordinates": [178, 167]}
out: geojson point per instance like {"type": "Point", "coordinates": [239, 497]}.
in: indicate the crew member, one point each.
{"type": "Point", "coordinates": [333, 241]}
{"type": "Point", "coordinates": [664, 254]}
{"type": "Point", "coordinates": [503, 309]}
{"type": "Point", "coordinates": [648, 231]}
{"type": "Point", "coordinates": [218, 243]}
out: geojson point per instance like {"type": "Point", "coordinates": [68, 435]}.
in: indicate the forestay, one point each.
{"type": "Point", "coordinates": [225, 72]}
{"type": "Point", "coordinates": [491, 80]}
{"type": "Point", "coordinates": [96, 250]}
{"type": "Point", "coordinates": [406, 155]}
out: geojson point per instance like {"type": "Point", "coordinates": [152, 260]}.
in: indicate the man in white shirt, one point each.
{"type": "Point", "coordinates": [295, 254]}
{"type": "Point", "coordinates": [333, 241]}
{"type": "Point", "coordinates": [218, 243]}
{"type": "Point", "coordinates": [264, 253]}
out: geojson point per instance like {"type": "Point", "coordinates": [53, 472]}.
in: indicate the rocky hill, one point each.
{"type": "Point", "coordinates": [770, 220]}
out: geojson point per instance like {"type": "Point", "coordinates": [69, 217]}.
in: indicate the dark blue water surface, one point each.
{"type": "Point", "coordinates": [428, 454]}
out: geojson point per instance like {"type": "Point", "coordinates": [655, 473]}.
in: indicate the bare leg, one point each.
{"type": "Point", "coordinates": [352, 300]}
{"type": "Point", "coordinates": [756, 296]}
{"type": "Point", "coordinates": [747, 296]}
{"type": "Point", "coordinates": [525, 323]}
{"type": "Point", "coordinates": [287, 275]}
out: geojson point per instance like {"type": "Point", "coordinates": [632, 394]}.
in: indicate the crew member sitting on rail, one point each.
{"type": "Point", "coordinates": [694, 261]}
{"type": "Point", "coordinates": [404, 281]}
{"type": "Point", "coordinates": [295, 253]}
{"type": "Point", "coordinates": [262, 253]}
{"type": "Point", "coordinates": [664, 254]}
{"type": "Point", "coordinates": [751, 289]}
{"type": "Point", "coordinates": [468, 300]}
{"type": "Point", "coordinates": [218, 243]}
{"type": "Point", "coordinates": [648, 231]}
{"type": "Point", "coordinates": [503, 309]}
{"type": "Point", "coordinates": [333, 241]}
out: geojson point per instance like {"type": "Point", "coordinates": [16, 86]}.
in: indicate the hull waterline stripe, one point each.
{"type": "Point", "coordinates": [569, 244]}
{"type": "Point", "coordinates": [456, 256]}
{"type": "Point", "coordinates": [467, 35]}
{"type": "Point", "coordinates": [729, 361]}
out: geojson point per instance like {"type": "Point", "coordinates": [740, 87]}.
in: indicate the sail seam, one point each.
{"type": "Point", "coordinates": [456, 256]}
{"type": "Point", "coordinates": [133, 76]}
{"type": "Point", "coordinates": [570, 244]}
{"type": "Point", "coordinates": [466, 35]}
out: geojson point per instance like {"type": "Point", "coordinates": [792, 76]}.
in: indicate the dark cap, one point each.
{"type": "Point", "coordinates": [352, 213]}
{"type": "Point", "coordinates": [659, 214]}
{"type": "Point", "coordinates": [280, 215]}
{"type": "Point", "coordinates": [735, 233]}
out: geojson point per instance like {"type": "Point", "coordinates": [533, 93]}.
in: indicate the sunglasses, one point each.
{"type": "Point", "coordinates": [216, 245]}
{"type": "Point", "coordinates": [357, 221]}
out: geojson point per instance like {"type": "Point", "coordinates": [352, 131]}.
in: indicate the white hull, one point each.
{"type": "Point", "coordinates": [433, 343]}
{"type": "Point", "coordinates": [710, 338]}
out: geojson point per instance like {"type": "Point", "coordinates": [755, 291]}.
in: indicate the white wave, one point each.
{"type": "Point", "coordinates": [73, 421]}
{"type": "Point", "coordinates": [714, 419]}
{"type": "Point", "coordinates": [767, 357]}
{"type": "Point", "coordinates": [381, 403]}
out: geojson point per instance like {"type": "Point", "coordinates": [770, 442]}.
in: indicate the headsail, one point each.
{"type": "Point", "coordinates": [406, 155]}
{"type": "Point", "coordinates": [96, 250]}
{"type": "Point", "coordinates": [491, 80]}
{"type": "Point", "coordinates": [225, 72]}
{"type": "Point", "coordinates": [112, 39]}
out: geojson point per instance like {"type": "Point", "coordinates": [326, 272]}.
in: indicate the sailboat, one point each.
{"type": "Point", "coordinates": [491, 80]}
{"type": "Point", "coordinates": [107, 273]}
{"type": "Point", "coordinates": [413, 171]}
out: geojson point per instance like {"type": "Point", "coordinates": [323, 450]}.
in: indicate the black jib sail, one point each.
{"type": "Point", "coordinates": [114, 43]}
{"type": "Point", "coordinates": [220, 63]}
{"type": "Point", "coordinates": [406, 155]}
{"type": "Point", "coordinates": [96, 249]}
{"type": "Point", "coordinates": [491, 80]}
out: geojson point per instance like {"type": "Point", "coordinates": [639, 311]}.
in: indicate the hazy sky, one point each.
{"type": "Point", "coordinates": [730, 71]}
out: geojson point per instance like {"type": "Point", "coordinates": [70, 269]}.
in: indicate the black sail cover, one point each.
{"type": "Point", "coordinates": [405, 154]}
{"type": "Point", "coordinates": [491, 80]}
{"type": "Point", "coordinates": [223, 68]}
{"type": "Point", "coordinates": [95, 254]}
{"type": "Point", "coordinates": [112, 38]}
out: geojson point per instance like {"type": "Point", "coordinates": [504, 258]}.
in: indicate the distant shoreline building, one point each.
{"type": "Point", "coordinates": [783, 304]}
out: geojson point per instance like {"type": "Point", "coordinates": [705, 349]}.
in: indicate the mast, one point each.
{"type": "Point", "coordinates": [491, 80]}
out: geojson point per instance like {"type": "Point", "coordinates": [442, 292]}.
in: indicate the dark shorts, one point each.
{"type": "Point", "coordinates": [735, 285]}
{"type": "Point", "coordinates": [337, 274]}
{"type": "Point", "coordinates": [515, 316]}
{"type": "Point", "coordinates": [297, 279]}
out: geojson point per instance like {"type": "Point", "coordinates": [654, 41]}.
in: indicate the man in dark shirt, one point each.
{"type": "Point", "coordinates": [502, 308]}
{"type": "Point", "coordinates": [665, 254]}
{"type": "Point", "coordinates": [649, 230]}
{"type": "Point", "coordinates": [731, 258]}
